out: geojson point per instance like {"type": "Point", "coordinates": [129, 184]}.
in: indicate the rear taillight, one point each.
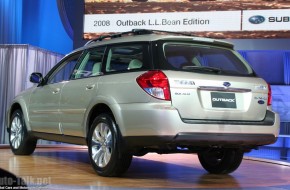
{"type": "Point", "coordinates": [155, 83]}
{"type": "Point", "coordinates": [269, 95]}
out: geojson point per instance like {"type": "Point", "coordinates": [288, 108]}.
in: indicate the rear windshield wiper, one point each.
{"type": "Point", "coordinates": [205, 69]}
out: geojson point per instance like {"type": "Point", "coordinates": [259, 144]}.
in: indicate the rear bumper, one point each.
{"type": "Point", "coordinates": [157, 124]}
{"type": "Point", "coordinates": [269, 120]}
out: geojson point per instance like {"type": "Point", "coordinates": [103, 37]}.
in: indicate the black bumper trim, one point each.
{"type": "Point", "coordinates": [202, 140]}
{"type": "Point", "coordinates": [269, 120]}
{"type": "Point", "coordinates": [222, 139]}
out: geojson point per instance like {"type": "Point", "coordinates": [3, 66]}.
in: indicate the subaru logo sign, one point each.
{"type": "Point", "coordinates": [257, 19]}
{"type": "Point", "coordinates": [227, 84]}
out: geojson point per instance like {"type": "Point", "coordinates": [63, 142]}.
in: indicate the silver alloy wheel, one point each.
{"type": "Point", "coordinates": [16, 132]}
{"type": "Point", "coordinates": [102, 145]}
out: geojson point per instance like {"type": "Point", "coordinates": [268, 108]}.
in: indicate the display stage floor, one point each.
{"type": "Point", "coordinates": [68, 167]}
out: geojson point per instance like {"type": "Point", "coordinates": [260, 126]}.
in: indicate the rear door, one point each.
{"type": "Point", "coordinates": [79, 91]}
{"type": "Point", "coordinates": [211, 83]}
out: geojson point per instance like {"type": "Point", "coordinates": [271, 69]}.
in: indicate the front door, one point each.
{"type": "Point", "coordinates": [77, 94]}
{"type": "Point", "coordinates": [43, 108]}
{"type": "Point", "coordinates": [44, 101]}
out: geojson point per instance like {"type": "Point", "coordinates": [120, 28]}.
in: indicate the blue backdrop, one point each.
{"type": "Point", "coordinates": [272, 65]}
{"type": "Point", "coordinates": [34, 22]}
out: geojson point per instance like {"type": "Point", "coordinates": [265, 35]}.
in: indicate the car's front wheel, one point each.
{"type": "Point", "coordinates": [107, 155]}
{"type": "Point", "coordinates": [221, 161]}
{"type": "Point", "coordinates": [19, 140]}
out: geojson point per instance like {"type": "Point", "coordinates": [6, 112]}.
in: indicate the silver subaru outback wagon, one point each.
{"type": "Point", "coordinates": [144, 91]}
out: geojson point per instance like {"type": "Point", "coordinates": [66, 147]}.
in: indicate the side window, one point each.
{"type": "Point", "coordinates": [65, 70]}
{"type": "Point", "coordinates": [125, 58]}
{"type": "Point", "coordinates": [90, 64]}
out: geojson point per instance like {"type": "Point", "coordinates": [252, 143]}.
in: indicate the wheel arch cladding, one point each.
{"type": "Point", "coordinates": [98, 109]}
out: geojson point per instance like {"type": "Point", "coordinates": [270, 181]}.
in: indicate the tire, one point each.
{"type": "Point", "coordinates": [221, 161]}
{"type": "Point", "coordinates": [107, 155]}
{"type": "Point", "coordinates": [19, 140]}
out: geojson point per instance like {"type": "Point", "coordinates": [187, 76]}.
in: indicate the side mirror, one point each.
{"type": "Point", "coordinates": [36, 78]}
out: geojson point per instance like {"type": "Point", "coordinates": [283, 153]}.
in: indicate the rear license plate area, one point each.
{"type": "Point", "coordinates": [223, 100]}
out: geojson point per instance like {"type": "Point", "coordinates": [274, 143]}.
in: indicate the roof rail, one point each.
{"type": "Point", "coordinates": [133, 32]}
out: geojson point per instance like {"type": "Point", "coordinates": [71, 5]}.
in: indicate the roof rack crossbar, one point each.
{"type": "Point", "coordinates": [134, 32]}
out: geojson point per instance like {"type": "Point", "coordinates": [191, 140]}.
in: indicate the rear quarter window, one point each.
{"type": "Point", "coordinates": [127, 57]}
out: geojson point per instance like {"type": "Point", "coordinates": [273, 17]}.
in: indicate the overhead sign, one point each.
{"type": "Point", "coordinates": [217, 19]}
{"type": "Point", "coordinates": [178, 22]}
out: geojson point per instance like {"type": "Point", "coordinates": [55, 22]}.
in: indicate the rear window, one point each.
{"type": "Point", "coordinates": [190, 57]}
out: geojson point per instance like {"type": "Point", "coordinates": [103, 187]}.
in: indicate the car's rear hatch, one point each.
{"type": "Point", "coordinates": [212, 97]}
{"type": "Point", "coordinates": [212, 82]}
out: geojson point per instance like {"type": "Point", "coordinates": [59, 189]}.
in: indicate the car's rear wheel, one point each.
{"type": "Point", "coordinates": [108, 157]}
{"type": "Point", "coordinates": [221, 161]}
{"type": "Point", "coordinates": [19, 140]}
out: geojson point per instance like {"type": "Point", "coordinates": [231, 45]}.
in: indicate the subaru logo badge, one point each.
{"type": "Point", "coordinates": [257, 19]}
{"type": "Point", "coordinates": [227, 84]}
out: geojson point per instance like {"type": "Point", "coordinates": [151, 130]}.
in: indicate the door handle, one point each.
{"type": "Point", "coordinates": [90, 86]}
{"type": "Point", "coordinates": [56, 91]}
